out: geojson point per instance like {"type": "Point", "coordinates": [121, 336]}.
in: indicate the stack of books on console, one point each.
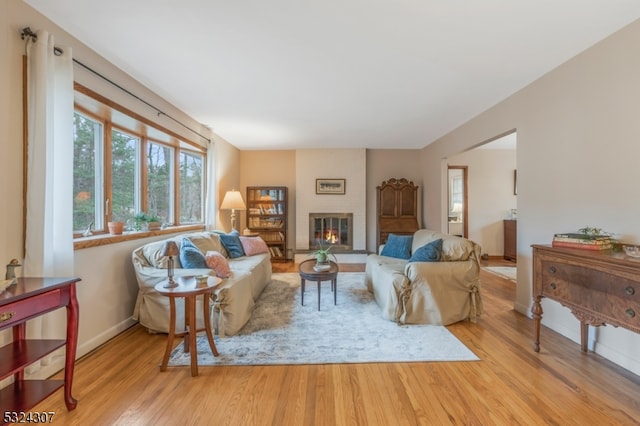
{"type": "Point", "coordinates": [582, 241]}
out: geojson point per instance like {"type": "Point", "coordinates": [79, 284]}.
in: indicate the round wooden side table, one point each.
{"type": "Point", "coordinates": [308, 273]}
{"type": "Point", "coordinates": [190, 289]}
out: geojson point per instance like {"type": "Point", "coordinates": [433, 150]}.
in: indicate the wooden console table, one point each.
{"type": "Point", "coordinates": [599, 287]}
{"type": "Point", "coordinates": [30, 298]}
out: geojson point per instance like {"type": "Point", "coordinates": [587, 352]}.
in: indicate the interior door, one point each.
{"type": "Point", "coordinates": [458, 211]}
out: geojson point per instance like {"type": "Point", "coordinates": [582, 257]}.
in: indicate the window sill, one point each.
{"type": "Point", "coordinates": [105, 239]}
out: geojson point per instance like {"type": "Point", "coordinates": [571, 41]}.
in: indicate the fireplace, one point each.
{"type": "Point", "coordinates": [331, 229]}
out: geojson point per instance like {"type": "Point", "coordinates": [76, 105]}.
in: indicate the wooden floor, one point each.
{"type": "Point", "coordinates": [120, 384]}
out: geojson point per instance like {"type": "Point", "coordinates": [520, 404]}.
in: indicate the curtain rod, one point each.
{"type": "Point", "coordinates": [28, 34]}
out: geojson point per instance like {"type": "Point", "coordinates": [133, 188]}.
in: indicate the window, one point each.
{"type": "Point", "coordinates": [160, 166]}
{"type": "Point", "coordinates": [125, 177]}
{"type": "Point", "coordinates": [191, 187]}
{"type": "Point", "coordinates": [87, 173]}
{"type": "Point", "coordinates": [125, 165]}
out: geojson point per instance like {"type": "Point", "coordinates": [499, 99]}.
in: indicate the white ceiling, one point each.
{"type": "Point", "coordinates": [282, 74]}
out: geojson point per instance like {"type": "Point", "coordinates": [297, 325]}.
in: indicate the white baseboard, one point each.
{"type": "Point", "coordinates": [54, 363]}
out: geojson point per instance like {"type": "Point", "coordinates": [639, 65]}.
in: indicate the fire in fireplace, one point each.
{"type": "Point", "coordinates": [331, 229]}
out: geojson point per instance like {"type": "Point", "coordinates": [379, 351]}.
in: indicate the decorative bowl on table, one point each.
{"type": "Point", "coordinates": [202, 280]}
{"type": "Point", "coordinates": [321, 267]}
{"type": "Point", "coordinates": [633, 251]}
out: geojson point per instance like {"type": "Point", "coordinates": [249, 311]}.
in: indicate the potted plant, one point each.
{"type": "Point", "coordinates": [322, 254]}
{"type": "Point", "coordinates": [139, 220]}
{"type": "Point", "coordinates": [153, 222]}
{"type": "Point", "coordinates": [115, 227]}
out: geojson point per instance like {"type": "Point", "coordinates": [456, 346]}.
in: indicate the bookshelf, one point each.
{"type": "Point", "coordinates": [267, 210]}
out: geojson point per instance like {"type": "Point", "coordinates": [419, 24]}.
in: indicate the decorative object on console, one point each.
{"type": "Point", "coordinates": [11, 270]}
{"type": "Point", "coordinates": [587, 238]}
{"type": "Point", "coordinates": [170, 249]}
{"type": "Point", "coordinates": [233, 201]}
{"type": "Point", "coordinates": [633, 251]}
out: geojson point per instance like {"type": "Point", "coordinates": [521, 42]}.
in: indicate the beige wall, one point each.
{"type": "Point", "coordinates": [577, 161]}
{"type": "Point", "coordinates": [279, 167]}
{"type": "Point", "coordinates": [271, 168]}
{"type": "Point", "coordinates": [382, 165]}
{"type": "Point", "coordinates": [108, 288]}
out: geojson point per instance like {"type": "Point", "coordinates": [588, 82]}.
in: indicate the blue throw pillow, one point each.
{"type": "Point", "coordinates": [398, 246]}
{"type": "Point", "coordinates": [191, 256]}
{"type": "Point", "coordinates": [430, 252]}
{"type": "Point", "coordinates": [232, 244]}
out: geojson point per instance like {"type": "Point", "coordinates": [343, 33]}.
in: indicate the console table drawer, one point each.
{"type": "Point", "coordinates": [599, 287]}
{"type": "Point", "coordinates": [16, 312]}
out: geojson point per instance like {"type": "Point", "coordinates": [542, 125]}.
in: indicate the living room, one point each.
{"type": "Point", "coordinates": [573, 124]}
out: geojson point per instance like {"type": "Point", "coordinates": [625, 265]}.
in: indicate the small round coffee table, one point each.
{"type": "Point", "coordinates": [190, 289]}
{"type": "Point", "coordinates": [308, 273]}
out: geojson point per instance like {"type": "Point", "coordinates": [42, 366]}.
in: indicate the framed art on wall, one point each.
{"type": "Point", "coordinates": [330, 186]}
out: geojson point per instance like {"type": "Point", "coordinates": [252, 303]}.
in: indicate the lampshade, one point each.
{"type": "Point", "coordinates": [457, 208]}
{"type": "Point", "coordinates": [233, 201]}
{"type": "Point", "coordinates": [170, 248]}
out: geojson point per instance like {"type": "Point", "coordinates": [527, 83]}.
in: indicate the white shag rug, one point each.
{"type": "Point", "coordinates": [507, 272]}
{"type": "Point", "coordinates": [281, 331]}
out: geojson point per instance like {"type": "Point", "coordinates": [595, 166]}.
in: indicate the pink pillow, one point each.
{"type": "Point", "coordinates": [253, 245]}
{"type": "Point", "coordinates": [218, 263]}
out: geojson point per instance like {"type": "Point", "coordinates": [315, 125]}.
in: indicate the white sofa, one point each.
{"type": "Point", "coordinates": [234, 300]}
{"type": "Point", "coordinates": [441, 293]}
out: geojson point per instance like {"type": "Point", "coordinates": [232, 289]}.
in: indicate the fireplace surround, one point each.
{"type": "Point", "coordinates": [331, 229]}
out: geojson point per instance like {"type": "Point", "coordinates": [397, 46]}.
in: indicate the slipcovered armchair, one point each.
{"type": "Point", "coordinates": [441, 289]}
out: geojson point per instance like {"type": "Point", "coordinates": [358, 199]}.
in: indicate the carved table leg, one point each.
{"type": "Point", "coordinates": [72, 345]}
{"type": "Point", "coordinates": [536, 310]}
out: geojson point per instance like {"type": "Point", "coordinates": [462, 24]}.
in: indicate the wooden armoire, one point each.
{"type": "Point", "coordinates": [397, 209]}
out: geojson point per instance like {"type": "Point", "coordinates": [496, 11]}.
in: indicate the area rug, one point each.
{"type": "Point", "coordinates": [507, 272]}
{"type": "Point", "coordinates": [281, 331]}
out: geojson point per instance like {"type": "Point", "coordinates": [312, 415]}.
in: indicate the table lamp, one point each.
{"type": "Point", "coordinates": [457, 209]}
{"type": "Point", "coordinates": [233, 201]}
{"type": "Point", "coordinates": [170, 249]}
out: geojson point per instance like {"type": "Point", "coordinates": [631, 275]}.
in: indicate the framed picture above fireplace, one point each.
{"type": "Point", "coordinates": [330, 186]}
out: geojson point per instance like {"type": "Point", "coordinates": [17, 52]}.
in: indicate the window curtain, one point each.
{"type": "Point", "coordinates": [210, 197]}
{"type": "Point", "coordinates": [49, 199]}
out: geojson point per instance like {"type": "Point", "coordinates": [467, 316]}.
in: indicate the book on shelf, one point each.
{"type": "Point", "coordinates": [582, 246]}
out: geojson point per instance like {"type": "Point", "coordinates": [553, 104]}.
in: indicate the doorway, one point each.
{"type": "Point", "coordinates": [457, 206]}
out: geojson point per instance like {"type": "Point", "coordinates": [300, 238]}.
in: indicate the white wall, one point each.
{"type": "Point", "coordinates": [108, 287]}
{"type": "Point", "coordinates": [490, 190]}
{"type": "Point", "coordinates": [577, 158]}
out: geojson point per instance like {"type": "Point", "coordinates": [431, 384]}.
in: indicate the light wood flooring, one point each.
{"type": "Point", "coordinates": [120, 384]}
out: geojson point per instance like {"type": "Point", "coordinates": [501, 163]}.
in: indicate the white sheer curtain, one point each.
{"type": "Point", "coordinates": [210, 197]}
{"type": "Point", "coordinates": [49, 192]}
